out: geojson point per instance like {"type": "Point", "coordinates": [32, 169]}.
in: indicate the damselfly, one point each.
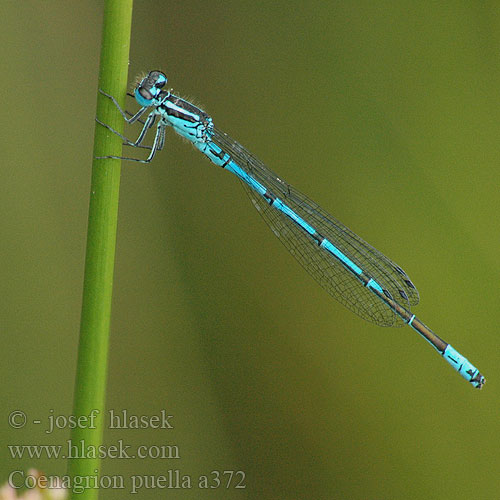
{"type": "Point", "coordinates": [352, 271]}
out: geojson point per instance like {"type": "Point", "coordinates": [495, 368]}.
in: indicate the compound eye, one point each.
{"type": "Point", "coordinates": [145, 94]}
{"type": "Point", "coordinates": [156, 79]}
{"type": "Point", "coordinates": [161, 80]}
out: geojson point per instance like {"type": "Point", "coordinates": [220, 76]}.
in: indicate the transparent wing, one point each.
{"type": "Point", "coordinates": [322, 266]}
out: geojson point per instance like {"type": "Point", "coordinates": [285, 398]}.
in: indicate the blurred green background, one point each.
{"type": "Point", "coordinates": [386, 113]}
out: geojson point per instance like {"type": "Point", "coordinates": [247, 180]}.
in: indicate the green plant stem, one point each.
{"type": "Point", "coordinates": [90, 387]}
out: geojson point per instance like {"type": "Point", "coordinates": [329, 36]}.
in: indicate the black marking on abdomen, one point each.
{"type": "Point", "coordinates": [318, 237]}
{"type": "Point", "coordinates": [270, 198]}
{"type": "Point", "coordinates": [220, 154]}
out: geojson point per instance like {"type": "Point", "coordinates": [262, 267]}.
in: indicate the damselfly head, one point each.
{"type": "Point", "coordinates": [149, 88]}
